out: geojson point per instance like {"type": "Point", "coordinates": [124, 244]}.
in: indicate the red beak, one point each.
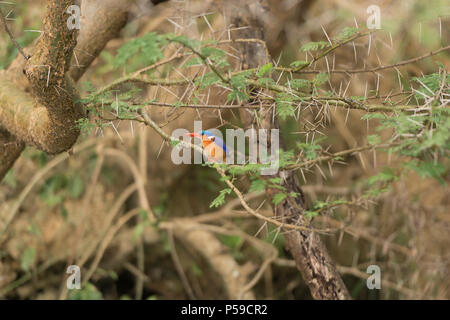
{"type": "Point", "coordinates": [193, 134]}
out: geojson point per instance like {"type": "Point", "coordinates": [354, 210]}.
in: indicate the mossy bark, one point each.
{"type": "Point", "coordinates": [52, 130]}
{"type": "Point", "coordinates": [40, 108]}
{"type": "Point", "coordinates": [46, 116]}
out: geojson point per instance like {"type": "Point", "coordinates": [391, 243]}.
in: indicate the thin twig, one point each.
{"type": "Point", "coordinates": [11, 36]}
{"type": "Point", "coordinates": [340, 154]}
{"type": "Point", "coordinates": [178, 266]}
{"type": "Point", "coordinates": [241, 197]}
{"type": "Point", "coordinates": [375, 69]}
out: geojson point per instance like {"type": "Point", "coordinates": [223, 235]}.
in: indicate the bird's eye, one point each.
{"type": "Point", "coordinates": [212, 138]}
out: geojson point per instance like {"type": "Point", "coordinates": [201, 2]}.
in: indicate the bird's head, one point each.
{"type": "Point", "coordinates": [213, 144]}
{"type": "Point", "coordinates": [206, 136]}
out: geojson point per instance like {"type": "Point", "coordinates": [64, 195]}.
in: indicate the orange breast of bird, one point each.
{"type": "Point", "coordinates": [213, 151]}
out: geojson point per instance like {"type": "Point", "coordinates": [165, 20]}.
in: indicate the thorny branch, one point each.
{"type": "Point", "coordinates": [165, 136]}
{"type": "Point", "coordinates": [11, 36]}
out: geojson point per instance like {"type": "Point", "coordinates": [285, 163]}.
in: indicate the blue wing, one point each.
{"type": "Point", "coordinates": [218, 141]}
{"type": "Point", "coordinates": [221, 144]}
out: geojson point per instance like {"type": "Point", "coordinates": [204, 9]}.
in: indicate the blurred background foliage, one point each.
{"type": "Point", "coordinates": [405, 231]}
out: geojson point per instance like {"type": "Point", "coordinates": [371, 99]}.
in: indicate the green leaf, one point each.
{"type": "Point", "coordinates": [237, 95]}
{"type": "Point", "coordinates": [34, 230]}
{"type": "Point", "coordinates": [373, 139]}
{"type": "Point", "coordinates": [284, 105]}
{"type": "Point", "coordinates": [310, 149]}
{"type": "Point", "coordinates": [231, 241]}
{"type": "Point", "coordinates": [196, 270]}
{"type": "Point", "coordinates": [358, 98]}
{"type": "Point", "coordinates": [220, 200]}
{"type": "Point", "coordinates": [429, 82]}
{"type": "Point", "coordinates": [238, 81]}
{"type": "Point", "coordinates": [207, 80]}
{"type": "Point", "coordinates": [88, 292]}
{"type": "Point", "coordinates": [427, 169]}
{"type": "Point", "coordinates": [185, 41]}
{"type": "Point", "coordinates": [387, 175]}
{"type": "Point", "coordinates": [266, 82]}
{"type": "Point", "coordinates": [375, 115]}
{"type": "Point", "coordinates": [264, 69]}
{"type": "Point", "coordinates": [346, 34]}
{"type": "Point", "coordinates": [298, 63]}
{"type": "Point", "coordinates": [148, 46]}
{"type": "Point", "coordinates": [10, 179]}
{"type": "Point", "coordinates": [275, 180]}
{"type": "Point", "coordinates": [252, 168]}
{"type": "Point", "coordinates": [76, 187]}
{"type": "Point", "coordinates": [310, 213]}
{"type": "Point", "coordinates": [195, 61]}
{"type": "Point", "coordinates": [257, 185]}
{"type": "Point", "coordinates": [224, 178]}
{"type": "Point", "coordinates": [278, 198]}
{"type": "Point", "coordinates": [28, 258]}
{"type": "Point", "coordinates": [85, 125]}
{"type": "Point", "coordinates": [64, 212]}
{"type": "Point", "coordinates": [212, 53]}
{"type": "Point", "coordinates": [143, 214]}
{"type": "Point", "coordinates": [239, 87]}
{"type": "Point", "coordinates": [286, 158]}
{"type": "Point", "coordinates": [276, 238]}
{"type": "Point", "coordinates": [375, 192]}
{"type": "Point", "coordinates": [138, 231]}
{"type": "Point", "coordinates": [298, 84]}
{"type": "Point", "coordinates": [177, 104]}
{"type": "Point", "coordinates": [314, 46]}
{"type": "Point", "coordinates": [321, 79]}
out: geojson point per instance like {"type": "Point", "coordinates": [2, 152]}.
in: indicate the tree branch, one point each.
{"type": "Point", "coordinates": [101, 21]}
{"type": "Point", "coordinates": [32, 122]}
{"type": "Point", "coordinates": [50, 123]}
{"type": "Point", "coordinates": [11, 36]}
{"type": "Point", "coordinates": [311, 256]}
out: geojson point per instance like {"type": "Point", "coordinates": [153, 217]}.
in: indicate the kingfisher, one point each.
{"type": "Point", "coordinates": [213, 146]}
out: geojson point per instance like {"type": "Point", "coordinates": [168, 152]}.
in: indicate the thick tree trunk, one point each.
{"type": "Point", "coordinates": [311, 256]}
{"type": "Point", "coordinates": [40, 109]}
{"type": "Point", "coordinates": [46, 116]}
